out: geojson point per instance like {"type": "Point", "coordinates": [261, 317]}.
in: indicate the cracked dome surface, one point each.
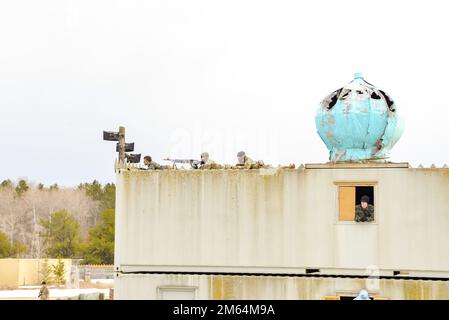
{"type": "Point", "coordinates": [358, 122]}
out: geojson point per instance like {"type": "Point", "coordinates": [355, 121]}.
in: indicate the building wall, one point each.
{"type": "Point", "coordinates": [280, 221]}
{"type": "Point", "coordinates": [148, 287]}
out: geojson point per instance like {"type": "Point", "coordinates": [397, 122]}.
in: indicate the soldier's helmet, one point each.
{"type": "Point", "coordinates": [364, 199]}
{"type": "Point", "coordinates": [205, 156]}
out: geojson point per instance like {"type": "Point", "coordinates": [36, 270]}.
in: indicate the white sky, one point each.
{"type": "Point", "coordinates": [223, 76]}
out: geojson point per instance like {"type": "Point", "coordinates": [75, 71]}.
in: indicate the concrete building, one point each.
{"type": "Point", "coordinates": [252, 234]}
{"type": "Point", "coordinates": [285, 233]}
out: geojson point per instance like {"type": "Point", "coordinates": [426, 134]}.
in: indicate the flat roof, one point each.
{"type": "Point", "coordinates": [356, 165]}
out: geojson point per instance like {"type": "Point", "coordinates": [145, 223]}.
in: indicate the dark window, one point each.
{"type": "Point", "coordinates": [361, 191]}
{"type": "Point", "coordinates": [349, 202]}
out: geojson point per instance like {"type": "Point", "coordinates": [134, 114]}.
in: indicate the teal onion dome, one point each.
{"type": "Point", "coordinates": [358, 122]}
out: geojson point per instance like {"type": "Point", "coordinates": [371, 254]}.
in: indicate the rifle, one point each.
{"type": "Point", "coordinates": [195, 164]}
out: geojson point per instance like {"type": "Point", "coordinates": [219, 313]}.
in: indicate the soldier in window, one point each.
{"type": "Point", "coordinates": [364, 212]}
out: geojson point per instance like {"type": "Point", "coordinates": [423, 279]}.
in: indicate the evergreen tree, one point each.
{"type": "Point", "coordinates": [100, 246]}
{"type": "Point", "coordinates": [93, 190]}
{"type": "Point", "coordinates": [46, 271]}
{"type": "Point", "coordinates": [61, 235]}
{"type": "Point", "coordinates": [5, 246]}
{"type": "Point", "coordinates": [105, 195]}
{"type": "Point", "coordinates": [11, 250]}
{"type": "Point", "coordinates": [6, 184]}
{"type": "Point", "coordinates": [59, 272]}
{"type": "Point", "coordinates": [108, 197]}
{"type": "Point", "coordinates": [19, 250]}
{"type": "Point", "coordinates": [22, 187]}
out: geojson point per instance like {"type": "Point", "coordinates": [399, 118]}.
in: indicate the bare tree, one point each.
{"type": "Point", "coordinates": [20, 214]}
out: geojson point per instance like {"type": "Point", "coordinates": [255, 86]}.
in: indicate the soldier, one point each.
{"type": "Point", "coordinates": [206, 162]}
{"type": "Point", "coordinates": [44, 292]}
{"type": "Point", "coordinates": [245, 162]}
{"type": "Point", "coordinates": [151, 165]}
{"type": "Point", "coordinates": [364, 212]}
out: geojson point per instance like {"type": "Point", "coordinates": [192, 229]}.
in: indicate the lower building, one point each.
{"type": "Point", "coordinates": [244, 287]}
{"type": "Point", "coordinates": [282, 233]}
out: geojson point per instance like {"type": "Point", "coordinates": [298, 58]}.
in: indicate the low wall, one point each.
{"type": "Point", "coordinates": [9, 273]}
{"type": "Point", "coordinates": [87, 272]}
{"type": "Point", "coordinates": [26, 272]}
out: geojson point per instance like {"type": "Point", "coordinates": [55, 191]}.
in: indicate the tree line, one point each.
{"type": "Point", "coordinates": [54, 222]}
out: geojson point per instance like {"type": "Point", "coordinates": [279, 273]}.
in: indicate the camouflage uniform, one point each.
{"type": "Point", "coordinates": [153, 166]}
{"type": "Point", "coordinates": [251, 164]}
{"type": "Point", "coordinates": [209, 164]}
{"type": "Point", "coordinates": [44, 293]}
{"type": "Point", "coordinates": [259, 164]}
{"type": "Point", "coordinates": [245, 162]}
{"type": "Point", "coordinates": [248, 162]}
{"type": "Point", "coordinates": [364, 215]}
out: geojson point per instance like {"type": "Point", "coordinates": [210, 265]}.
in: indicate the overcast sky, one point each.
{"type": "Point", "coordinates": [223, 76]}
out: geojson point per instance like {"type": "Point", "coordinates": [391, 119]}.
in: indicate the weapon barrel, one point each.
{"type": "Point", "coordinates": [193, 163]}
{"type": "Point", "coordinates": [181, 160]}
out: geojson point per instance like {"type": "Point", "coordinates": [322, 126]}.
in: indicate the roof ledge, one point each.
{"type": "Point", "coordinates": [357, 165]}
